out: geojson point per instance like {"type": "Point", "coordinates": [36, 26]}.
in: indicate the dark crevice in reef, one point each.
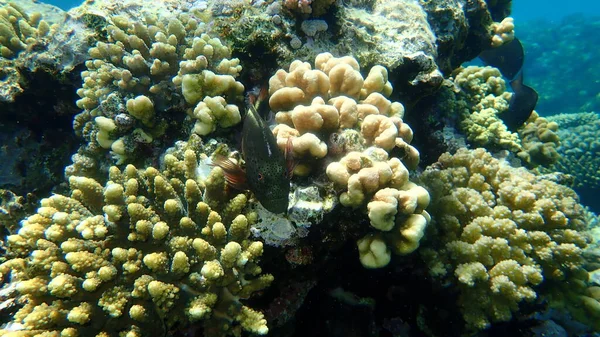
{"type": "Point", "coordinates": [37, 133]}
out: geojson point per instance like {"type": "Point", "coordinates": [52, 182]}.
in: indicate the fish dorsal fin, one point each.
{"type": "Point", "coordinates": [289, 158]}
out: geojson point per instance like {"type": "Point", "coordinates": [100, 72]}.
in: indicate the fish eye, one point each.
{"type": "Point", "coordinates": [260, 176]}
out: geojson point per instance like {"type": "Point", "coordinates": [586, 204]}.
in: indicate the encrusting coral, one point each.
{"type": "Point", "coordinates": [499, 232]}
{"type": "Point", "coordinates": [138, 82]}
{"type": "Point", "coordinates": [148, 251]}
{"type": "Point", "coordinates": [332, 111]}
{"type": "Point", "coordinates": [580, 148]}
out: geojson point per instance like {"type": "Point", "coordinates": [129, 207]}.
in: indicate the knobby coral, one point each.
{"type": "Point", "coordinates": [333, 113]}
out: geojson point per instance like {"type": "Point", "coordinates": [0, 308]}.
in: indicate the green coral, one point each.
{"type": "Point", "coordinates": [580, 148]}
{"type": "Point", "coordinates": [498, 232]}
{"type": "Point", "coordinates": [21, 33]}
{"type": "Point", "coordinates": [19, 30]}
{"type": "Point", "coordinates": [481, 99]}
{"type": "Point", "coordinates": [485, 91]}
{"type": "Point", "coordinates": [139, 255]}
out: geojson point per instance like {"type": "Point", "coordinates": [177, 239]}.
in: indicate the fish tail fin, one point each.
{"type": "Point", "coordinates": [234, 174]}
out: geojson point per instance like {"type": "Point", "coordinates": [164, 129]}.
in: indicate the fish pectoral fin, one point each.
{"type": "Point", "coordinates": [234, 174]}
{"type": "Point", "coordinates": [289, 158]}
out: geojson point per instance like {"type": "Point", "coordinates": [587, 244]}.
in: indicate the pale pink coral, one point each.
{"type": "Point", "coordinates": [314, 7]}
{"type": "Point", "coordinates": [302, 6]}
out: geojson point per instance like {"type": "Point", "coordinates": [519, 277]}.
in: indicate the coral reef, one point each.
{"type": "Point", "coordinates": [578, 154]}
{"type": "Point", "coordinates": [579, 150]}
{"type": "Point", "coordinates": [361, 127]}
{"type": "Point", "coordinates": [485, 91]}
{"type": "Point", "coordinates": [159, 244]}
{"type": "Point", "coordinates": [314, 7]}
{"type": "Point", "coordinates": [482, 98]}
{"type": "Point", "coordinates": [13, 208]}
{"type": "Point", "coordinates": [540, 141]}
{"type": "Point", "coordinates": [498, 232]}
{"type": "Point", "coordinates": [462, 30]}
{"type": "Point", "coordinates": [399, 37]}
{"type": "Point", "coordinates": [20, 30]}
{"type": "Point", "coordinates": [40, 49]}
{"type": "Point", "coordinates": [138, 83]}
{"type": "Point", "coordinates": [308, 206]}
{"type": "Point", "coordinates": [148, 251]}
{"type": "Point", "coordinates": [37, 38]}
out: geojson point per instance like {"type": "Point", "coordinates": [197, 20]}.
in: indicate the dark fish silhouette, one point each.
{"type": "Point", "coordinates": [521, 104]}
{"type": "Point", "coordinates": [508, 58]}
{"type": "Point", "coordinates": [267, 172]}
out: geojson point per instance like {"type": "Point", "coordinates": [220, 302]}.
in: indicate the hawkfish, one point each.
{"type": "Point", "coordinates": [267, 170]}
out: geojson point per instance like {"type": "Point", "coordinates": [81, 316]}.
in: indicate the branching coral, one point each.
{"type": "Point", "coordinates": [147, 251]}
{"type": "Point", "coordinates": [484, 92]}
{"type": "Point", "coordinates": [138, 81]}
{"type": "Point", "coordinates": [499, 232]}
{"type": "Point", "coordinates": [20, 33]}
{"type": "Point", "coordinates": [333, 111]}
{"type": "Point", "coordinates": [18, 30]}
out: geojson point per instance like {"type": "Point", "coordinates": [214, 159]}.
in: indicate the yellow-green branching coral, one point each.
{"type": "Point", "coordinates": [498, 232]}
{"type": "Point", "coordinates": [137, 256]}
{"type": "Point", "coordinates": [483, 98]}
{"type": "Point", "coordinates": [148, 76]}
{"type": "Point", "coordinates": [18, 30]}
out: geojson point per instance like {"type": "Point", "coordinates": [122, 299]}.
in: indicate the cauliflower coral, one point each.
{"type": "Point", "coordinates": [499, 232]}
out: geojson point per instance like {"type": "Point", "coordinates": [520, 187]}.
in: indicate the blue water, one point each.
{"type": "Point", "coordinates": [554, 10]}
{"type": "Point", "coordinates": [64, 4]}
